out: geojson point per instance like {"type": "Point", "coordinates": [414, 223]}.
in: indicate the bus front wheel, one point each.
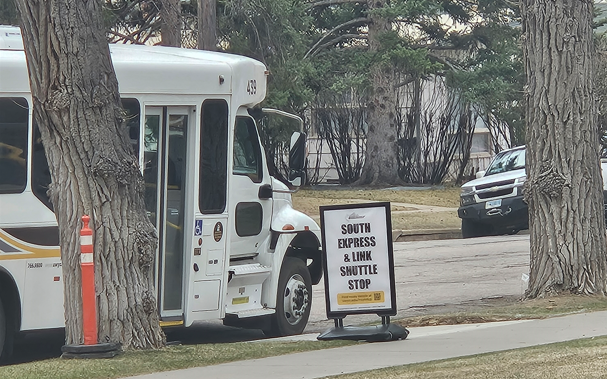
{"type": "Point", "coordinates": [294, 299]}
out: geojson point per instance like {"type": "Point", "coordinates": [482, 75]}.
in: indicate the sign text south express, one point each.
{"type": "Point", "coordinates": [350, 242]}
{"type": "Point", "coordinates": [353, 241]}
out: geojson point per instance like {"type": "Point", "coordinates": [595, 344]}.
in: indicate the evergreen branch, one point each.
{"type": "Point", "coordinates": [442, 60]}
{"type": "Point", "coordinates": [354, 22]}
{"type": "Point", "coordinates": [332, 2]}
{"type": "Point", "coordinates": [336, 40]}
{"type": "Point", "coordinates": [409, 80]}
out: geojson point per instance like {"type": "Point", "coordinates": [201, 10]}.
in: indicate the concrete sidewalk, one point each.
{"type": "Point", "coordinates": [423, 344]}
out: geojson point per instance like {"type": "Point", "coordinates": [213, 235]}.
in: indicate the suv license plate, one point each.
{"type": "Point", "coordinates": [493, 204]}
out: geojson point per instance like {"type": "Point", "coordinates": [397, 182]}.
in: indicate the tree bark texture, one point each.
{"type": "Point", "coordinates": [170, 17]}
{"type": "Point", "coordinates": [381, 155]}
{"type": "Point", "coordinates": [563, 187]}
{"type": "Point", "coordinates": [207, 25]}
{"type": "Point", "coordinates": [93, 170]}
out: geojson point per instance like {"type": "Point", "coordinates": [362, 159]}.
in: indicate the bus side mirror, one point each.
{"type": "Point", "coordinates": [297, 159]}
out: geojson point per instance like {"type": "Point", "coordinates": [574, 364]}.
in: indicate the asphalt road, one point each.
{"type": "Point", "coordinates": [431, 277]}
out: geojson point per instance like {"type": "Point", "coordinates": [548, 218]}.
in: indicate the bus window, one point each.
{"type": "Point", "coordinates": [131, 107]}
{"type": "Point", "coordinates": [41, 175]}
{"type": "Point", "coordinates": [13, 144]}
{"type": "Point", "coordinates": [249, 218]}
{"type": "Point", "coordinates": [213, 156]}
{"type": "Point", "coordinates": [247, 153]}
{"type": "Point", "coordinates": [151, 168]}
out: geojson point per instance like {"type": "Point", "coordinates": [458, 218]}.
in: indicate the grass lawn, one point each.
{"type": "Point", "coordinates": [168, 358]}
{"type": "Point", "coordinates": [585, 358]}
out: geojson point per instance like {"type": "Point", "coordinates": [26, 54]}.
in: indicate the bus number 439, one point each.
{"type": "Point", "coordinates": [252, 87]}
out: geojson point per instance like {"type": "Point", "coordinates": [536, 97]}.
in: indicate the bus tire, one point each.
{"type": "Point", "coordinates": [293, 301]}
{"type": "Point", "coordinates": [2, 330]}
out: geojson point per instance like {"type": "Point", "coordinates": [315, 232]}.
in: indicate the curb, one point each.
{"type": "Point", "coordinates": [425, 235]}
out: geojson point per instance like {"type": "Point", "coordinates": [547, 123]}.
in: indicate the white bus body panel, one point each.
{"type": "Point", "coordinates": [24, 210]}
{"type": "Point", "coordinates": [37, 274]}
{"type": "Point", "coordinates": [13, 75]}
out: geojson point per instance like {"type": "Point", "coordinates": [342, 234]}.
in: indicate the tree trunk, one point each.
{"type": "Point", "coordinates": [170, 15]}
{"type": "Point", "coordinates": [381, 155]}
{"type": "Point", "coordinates": [563, 187]}
{"type": "Point", "coordinates": [93, 170]}
{"type": "Point", "coordinates": [207, 25]}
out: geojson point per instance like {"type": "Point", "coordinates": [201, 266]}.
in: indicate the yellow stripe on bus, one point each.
{"type": "Point", "coordinates": [164, 324]}
{"type": "Point", "coordinates": [27, 252]}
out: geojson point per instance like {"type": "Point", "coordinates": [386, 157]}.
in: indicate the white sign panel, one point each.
{"type": "Point", "coordinates": [359, 266]}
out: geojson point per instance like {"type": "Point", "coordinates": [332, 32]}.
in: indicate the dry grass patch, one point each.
{"type": "Point", "coordinates": [405, 216]}
{"type": "Point", "coordinates": [426, 220]}
{"type": "Point", "coordinates": [310, 205]}
{"type": "Point", "coordinates": [441, 197]}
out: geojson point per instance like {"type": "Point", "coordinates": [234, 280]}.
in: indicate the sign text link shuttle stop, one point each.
{"type": "Point", "coordinates": [359, 269]}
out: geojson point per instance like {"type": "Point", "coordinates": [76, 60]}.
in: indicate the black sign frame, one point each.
{"type": "Point", "coordinates": [332, 314]}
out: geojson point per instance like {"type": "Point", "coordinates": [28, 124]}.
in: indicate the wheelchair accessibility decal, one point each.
{"type": "Point", "coordinates": [198, 228]}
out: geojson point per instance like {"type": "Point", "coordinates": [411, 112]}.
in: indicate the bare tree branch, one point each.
{"type": "Point", "coordinates": [125, 37]}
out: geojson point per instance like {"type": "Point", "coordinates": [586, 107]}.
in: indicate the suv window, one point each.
{"type": "Point", "coordinates": [507, 161]}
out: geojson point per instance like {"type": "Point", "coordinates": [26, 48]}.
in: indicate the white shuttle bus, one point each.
{"type": "Point", "coordinates": [231, 246]}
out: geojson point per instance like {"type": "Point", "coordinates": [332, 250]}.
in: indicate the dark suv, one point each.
{"type": "Point", "coordinates": [493, 203]}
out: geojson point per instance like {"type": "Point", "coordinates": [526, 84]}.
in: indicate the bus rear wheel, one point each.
{"type": "Point", "coordinates": [294, 299]}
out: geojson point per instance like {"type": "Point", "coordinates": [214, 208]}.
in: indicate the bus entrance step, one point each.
{"type": "Point", "coordinates": [253, 312]}
{"type": "Point", "coordinates": [246, 274]}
